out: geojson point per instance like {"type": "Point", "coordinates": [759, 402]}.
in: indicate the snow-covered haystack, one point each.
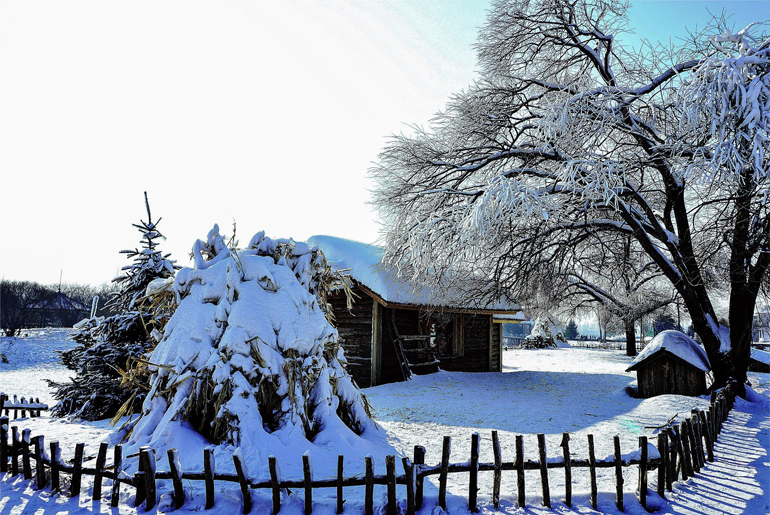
{"type": "Point", "coordinates": [546, 333]}
{"type": "Point", "coordinates": [249, 358]}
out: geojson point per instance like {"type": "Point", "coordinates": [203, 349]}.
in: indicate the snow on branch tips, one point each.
{"type": "Point", "coordinates": [249, 353]}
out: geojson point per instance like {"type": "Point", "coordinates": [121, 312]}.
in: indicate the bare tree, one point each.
{"type": "Point", "coordinates": [568, 130]}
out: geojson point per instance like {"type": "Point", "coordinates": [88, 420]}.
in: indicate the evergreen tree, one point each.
{"type": "Point", "coordinates": [107, 345]}
{"type": "Point", "coordinates": [571, 331]}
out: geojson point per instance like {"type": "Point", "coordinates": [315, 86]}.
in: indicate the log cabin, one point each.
{"type": "Point", "coordinates": [393, 331]}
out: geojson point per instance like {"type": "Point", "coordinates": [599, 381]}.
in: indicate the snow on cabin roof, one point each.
{"type": "Point", "coordinates": [677, 344]}
{"type": "Point", "coordinates": [365, 264]}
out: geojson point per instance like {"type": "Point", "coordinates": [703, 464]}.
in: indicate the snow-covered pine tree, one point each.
{"type": "Point", "coordinates": [250, 358]}
{"type": "Point", "coordinates": [106, 345]}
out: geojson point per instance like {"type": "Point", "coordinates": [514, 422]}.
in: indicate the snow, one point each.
{"type": "Point", "coordinates": [364, 262]}
{"type": "Point", "coordinates": [678, 344]}
{"type": "Point", "coordinates": [540, 391]}
{"type": "Point", "coordinates": [761, 355]}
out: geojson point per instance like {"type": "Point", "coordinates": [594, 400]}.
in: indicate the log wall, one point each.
{"type": "Point", "coordinates": [355, 330]}
{"type": "Point", "coordinates": [667, 376]}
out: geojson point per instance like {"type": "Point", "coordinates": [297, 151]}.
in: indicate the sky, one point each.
{"type": "Point", "coordinates": [266, 115]}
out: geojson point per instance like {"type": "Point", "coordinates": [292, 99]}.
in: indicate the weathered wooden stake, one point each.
{"type": "Point", "coordinates": [544, 470]}
{"type": "Point", "coordinates": [275, 483]}
{"type": "Point", "coordinates": [101, 459]}
{"type": "Point", "coordinates": [592, 468]}
{"type": "Point", "coordinates": [340, 477]}
{"type": "Point", "coordinates": [15, 449]}
{"type": "Point", "coordinates": [23, 410]}
{"type": "Point", "coordinates": [77, 470]}
{"type": "Point", "coordinates": [473, 475]}
{"type": "Point", "coordinates": [687, 462]}
{"type": "Point", "coordinates": [307, 473]}
{"type": "Point", "coordinates": [409, 476]}
{"type": "Point", "coordinates": [55, 460]}
{"type": "Point", "coordinates": [693, 444]}
{"type": "Point", "coordinates": [139, 483]}
{"type": "Point", "coordinates": [37, 444]}
{"type": "Point", "coordinates": [209, 470]}
{"type": "Point", "coordinates": [3, 443]}
{"type": "Point", "coordinates": [618, 473]}
{"type": "Point", "coordinates": [643, 472]}
{"type": "Point", "coordinates": [498, 473]}
{"type": "Point", "coordinates": [419, 461]}
{"type": "Point", "coordinates": [706, 428]}
{"type": "Point", "coordinates": [25, 453]}
{"type": "Point", "coordinates": [147, 455]}
{"type": "Point", "coordinates": [175, 468]}
{"type": "Point", "coordinates": [663, 465]}
{"type": "Point", "coordinates": [519, 464]}
{"type": "Point", "coordinates": [442, 478]}
{"type": "Point", "coordinates": [567, 470]}
{"type": "Point", "coordinates": [390, 479]}
{"type": "Point", "coordinates": [117, 467]}
{"type": "Point", "coordinates": [242, 472]}
{"type": "Point", "coordinates": [698, 430]}
{"type": "Point", "coordinates": [671, 459]}
{"type": "Point", "coordinates": [369, 493]}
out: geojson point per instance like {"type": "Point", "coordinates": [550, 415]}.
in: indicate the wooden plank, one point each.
{"type": "Point", "coordinates": [643, 472]}
{"type": "Point", "coordinates": [390, 475]}
{"type": "Point", "coordinates": [618, 473]}
{"type": "Point", "coordinates": [101, 459]}
{"type": "Point", "coordinates": [445, 452]}
{"type": "Point", "coordinates": [175, 469]}
{"type": "Point", "coordinates": [543, 470]}
{"type": "Point", "coordinates": [55, 459]}
{"type": "Point", "coordinates": [25, 453]}
{"type": "Point", "coordinates": [687, 462]}
{"type": "Point", "coordinates": [498, 474]}
{"type": "Point", "coordinates": [369, 491]}
{"type": "Point", "coordinates": [693, 444]}
{"type": "Point", "coordinates": [242, 473]}
{"type": "Point", "coordinates": [209, 471]}
{"type": "Point", "coordinates": [275, 482]}
{"type": "Point", "coordinates": [409, 478]}
{"type": "Point", "coordinates": [419, 460]}
{"type": "Point", "coordinates": [118, 468]}
{"type": "Point", "coordinates": [567, 470]}
{"type": "Point", "coordinates": [473, 476]}
{"type": "Point", "coordinates": [340, 476]}
{"type": "Point", "coordinates": [520, 471]}
{"type": "Point", "coordinates": [307, 474]}
{"type": "Point", "coordinates": [77, 467]}
{"type": "Point", "coordinates": [147, 455]}
{"type": "Point", "coordinates": [15, 449]}
{"type": "Point", "coordinates": [592, 468]}
{"type": "Point", "coordinates": [663, 465]}
{"type": "Point", "coordinates": [3, 440]}
{"type": "Point", "coordinates": [704, 423]}
{"type": "Point", "coordinates": [37, 444]}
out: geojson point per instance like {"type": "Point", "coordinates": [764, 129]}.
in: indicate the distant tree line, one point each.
{"type": "Point", "coordinates": [25, 304]}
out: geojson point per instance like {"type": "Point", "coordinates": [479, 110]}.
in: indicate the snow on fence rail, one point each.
{"type": "Point", "coordinates": [34, 406]}
{"type": "Point", "coordinates": [683, 450]}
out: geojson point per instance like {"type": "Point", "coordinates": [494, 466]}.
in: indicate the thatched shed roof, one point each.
{"type": "Point", "coordinates": [676, 345]}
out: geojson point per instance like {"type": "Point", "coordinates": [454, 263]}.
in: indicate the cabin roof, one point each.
{"type": "Point", "coordinates": [674, 344]}
{"type": "Point", "coordinates": [364, 261]}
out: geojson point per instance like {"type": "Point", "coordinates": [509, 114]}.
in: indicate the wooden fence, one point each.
{"type": "Point", "coordinates": [684, 449]}
{"type": "Point", "coordinates": [34, 406]}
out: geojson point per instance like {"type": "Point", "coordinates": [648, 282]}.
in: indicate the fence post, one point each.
{"type": "Point", "coordinates": [679, 453]}
{"type": "Point", "coordinates": [307, 472]}
{"type": "Point", "coordinates": [139, 482]}
{"type": "Point", "coordinates": [643, 472]}
{"type": "Point", "coordinates": [77, 467]}
{"type": "Point", "coordinates": [390, 475]}
{"type": "Point", "coordinates": [55, 460]}
{"type": "Point", "coordinates": [698, 437]}
{"type": "Point", "coordinates": [519, 464]}
{"type": "Point", "coordinates": [369, 493]}
{"type": "Point", "coordinates": [118, 468]}
{"type": "Point", "coordinates": [544, 470]}
{"type": "Point", "coordinates": [419, 460]}
{"type": "Point", "coordinates": [37, 443]}
{"type": "Point", "coordinates": [16, 409]}
{"type": "Point", "coordinates": [25, 458]}
{"type": "Point", "coordinates": [592, 468]}
{"type": "Point", "coordinates": [101, 458]}
{"type": "Point", "coordinates": [498, 474]}
{"type": "Point", "coordinates": [663, 465]}
{"type": "Point", "coordinates": [567, 470]}
{"type": "Point", "coordinates": [473, 476]}
{"type": "Point", "coordinates": [23, 410]}
{"type": "Point", "coordinates": [692, 436]}
{"type": "Point", "coordinates": [442, 478]}
{"type": "Point", "coordinates": [275, 483]}
{"type": "Point", "coordinates": [618, 473]}
{"type": "Point", "coordinates": [3, 442]}
{"type": "Point", "coordinates": [242, 472]}
{"type": "Point", "coordinates": [15, 448]}
{"type": "Point", "coordinates": [175, 468]}
{"type": "Point", "coordinates": [704, 423]}
{"type": "Point", "coordinates": [409, 476]}
{"type": "Point", "coordinates": [687, 462]}
{"type": "Point", "coordinates": [340, 477]}
{"type": "Point", "coordinates": [147, 455]}
{"type": "Point", "coordinates": [209, 470]}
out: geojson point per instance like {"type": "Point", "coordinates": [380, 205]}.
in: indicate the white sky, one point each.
{"type": "Point", "coordinates": [266, 113]}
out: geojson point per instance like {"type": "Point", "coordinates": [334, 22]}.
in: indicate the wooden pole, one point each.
{"type": "Point", "coordinates": [390, 479]}
{"type": "Point", "coordinates": [685, 437]}
{"type": "Point", "coordinates": [25, 454]}
{"type": "Point", "coordinates": [369, 493]}
{"type": "Point", "coordinates": [175, 469]}
{"type": "Point", "coordinates": [419, 461]}
{"type": "Point", "coordinates": [117, 466]}
{"type": "Point", "coordinates": [409, 476]}
{"type": "Point", "coordinates": [670, 459]}
{"type": "Point", "coordinates": [567, 470]}
{"type": "Point", "coordinates": [307, 473]}
{"type": "Point", "coordinates": [77, 468]}
{"type": "Point", "coordinates": [275, 483]}
{"type": "Point", "coordinates": [15, 448]}
{"type": "Point", "coordinates": [592, 468]}
{"type": "Point", "coordinates": [209, 470]}
{"type": "Point", "coordinates": [698, 437]}
{"type": "Point", "coordinates": [37, 444]}
{"type": "Point", "coordinates": [340, 477]}
{"type": "Point", "coordinates": [544, 470]}
{"type": "Point", "coordinates": [101, 459]}
{"type": "Point", "coordinates": [55, 460]}
{"type": "Point", "coordinates": [442, 478]}
{"type": "Point", "coordinates": [663, 465]}
{"type": "Point", "coordinates": [473, 475]}
{"type": "Point", "coordinates": [147, 455]}
{"type": "Point", "coordinates": [242, 472]}
{"type": "Point", "coordinates": [519, 464]}
{"type": "Point", "coordinates": [3, 441]}
{"type": "Point", "coordinates": [498, 473]}
{"type": "Point", "coordinates": [618, 473]}
{"type": "Point", "coordinates": [643, 472]}
{"type": "Point", "coordinates": [693, 444]}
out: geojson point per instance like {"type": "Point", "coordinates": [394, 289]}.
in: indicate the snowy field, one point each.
{"type": "Point", "coordinates": [551, 391]}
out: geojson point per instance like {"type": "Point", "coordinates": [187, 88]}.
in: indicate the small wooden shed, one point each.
{"type": "Point", "coordinates": [672, 363]}
{"type": "Point", "coordinates": [392, 331]}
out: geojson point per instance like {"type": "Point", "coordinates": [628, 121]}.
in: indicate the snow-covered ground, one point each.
{"type": "Point", "coordinates": [548, 391]}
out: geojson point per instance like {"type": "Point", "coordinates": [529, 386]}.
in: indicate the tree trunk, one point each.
{"type": "Point", "coordinates": [630, 338]}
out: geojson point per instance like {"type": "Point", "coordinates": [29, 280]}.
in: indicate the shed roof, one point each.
{"type": "Point", "coordinates": [675, 344]}
{"type": "Point", "coordinates": [365, 264]}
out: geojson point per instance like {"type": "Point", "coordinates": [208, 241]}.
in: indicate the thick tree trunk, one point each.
{"type": "Point", "coordinates": [630, 339]}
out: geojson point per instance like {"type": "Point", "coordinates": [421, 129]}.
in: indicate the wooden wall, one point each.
{"type": "Point", "coordinates": [355, 330]}
{"type": "Point", "coordinates": [496, 352]}
{"type": "Point", "coordinates": [667, 376]}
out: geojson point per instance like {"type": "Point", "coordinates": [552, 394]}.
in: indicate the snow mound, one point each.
{"type": "Point", "coordinates": [678, 344]}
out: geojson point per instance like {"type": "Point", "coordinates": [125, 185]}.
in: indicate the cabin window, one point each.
{"type": "Point", "coordinates": [442, 333]}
